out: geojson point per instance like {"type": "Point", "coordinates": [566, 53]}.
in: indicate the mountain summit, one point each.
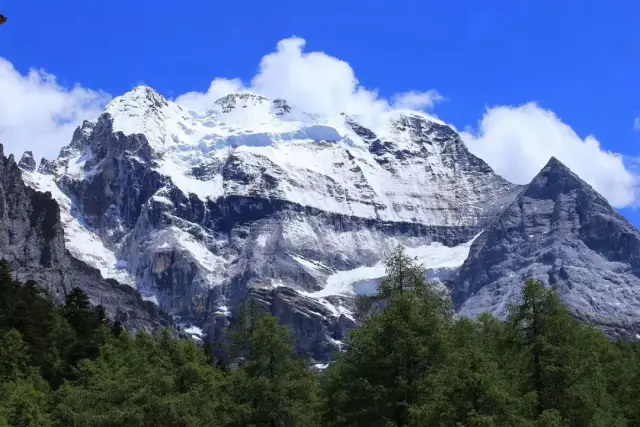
{"type": "Point", "coordinates": [561, 231]}
{"type": "Point", "coordinates": [254, 198]}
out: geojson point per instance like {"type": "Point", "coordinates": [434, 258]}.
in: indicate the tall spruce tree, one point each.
{"type": "Point", "coordinates": [471, 387]}
{"type": "Point", "coordinates": [561, 361]}
{"type": "Point", "coordinates": [379, 378]}
{"type": "Point", "coordinates": [272, 382]}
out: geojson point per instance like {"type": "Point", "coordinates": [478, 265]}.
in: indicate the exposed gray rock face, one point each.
{"type": "Point", "coordinates": [27, 162]}
{"type": "Point", "coordinates": [311, 320]}
{"type": "Point", "coordinates": [46, 167]}
{"type": "Point", "coordinates": [561, 232]}
{"type": "Point", "coordinates": [32, 240]}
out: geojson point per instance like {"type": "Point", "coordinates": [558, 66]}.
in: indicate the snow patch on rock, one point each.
{"type": "Point", "coordinates": [80, 241]}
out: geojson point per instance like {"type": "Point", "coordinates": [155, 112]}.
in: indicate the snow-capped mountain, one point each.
{"type": "Point", "coordinates": [255, 198]}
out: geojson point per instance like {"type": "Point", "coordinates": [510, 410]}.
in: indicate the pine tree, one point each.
{"type": "Point", "coordinates": [379, 378]}
{"type": "Point", "coordinates": [87, 323]}
{"type": "Point", "coordinates": [471, 387]}
{"type": "Point", "coordinates": [561, 361]}
{"type": "Point", "coordinates": [117, 328]}
{"type": "Point", "coordinates": [77, 310]}
{"type": "Point", "coordinates": [33, 315]}
{"type": "Point", "coordinates": [14, 356]}
{"type": "Point", "coordinates": [8, 289]}
{"type": "Point", "coordinates": [275, 386]}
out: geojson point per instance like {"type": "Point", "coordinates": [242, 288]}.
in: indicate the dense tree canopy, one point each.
{"type": "Point", "coordinates": [411, 363]}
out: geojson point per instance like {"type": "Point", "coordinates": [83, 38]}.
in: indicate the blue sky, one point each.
{"type": "Point", "coordinates": [577, 59]}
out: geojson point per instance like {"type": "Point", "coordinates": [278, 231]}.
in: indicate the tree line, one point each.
{"type": "Point", "coordinates": [411, 363]}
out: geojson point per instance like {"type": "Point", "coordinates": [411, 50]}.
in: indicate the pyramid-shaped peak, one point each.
{"type": "Point", "coordinates": [142, 96]}
{"type": "Point", "coordinates": [554, 179]}
{"type": "Point", "coordinates": [555, 167]}
{"type": "Point", "coordinates": [554, 163]}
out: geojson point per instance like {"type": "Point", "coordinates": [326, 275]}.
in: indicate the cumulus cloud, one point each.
{"type": "Point", "coordinates": [313, 81]}
{"type": "Point", "coordinates": [219, 87]}
{"type": "Point", "coordinates": [413, 100]}
{"type": "Point", "coordinates": [38, 114]}
{"type": "Point", "coordinates": [518, 141]}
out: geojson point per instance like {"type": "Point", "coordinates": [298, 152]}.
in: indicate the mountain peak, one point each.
{"type": "Point", "coordinates": [140, 96]}
{"type": "Point", "coordinates": [554, 179]}
{"type": "Point", "coordinates": [554, 163]}
{"type": "Point", "coordinates": [250, 100]}
{"type": "Point", "coordinates": [242, 96]}
{"type": "Point", "coordinates": [142, 110]}
{"type": "Point", "coordinates": [27, 162]}
{"type": "Point", "coordinates": [240, 100]}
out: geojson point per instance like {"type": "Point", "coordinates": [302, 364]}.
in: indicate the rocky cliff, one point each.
{"type": "Point", "coordinates": [561, 232]}
{"type": "Point", "coordinates": [32, 239]}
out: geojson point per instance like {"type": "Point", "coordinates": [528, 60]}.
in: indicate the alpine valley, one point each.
{"type": "Point", "coordinates": [253, 198]}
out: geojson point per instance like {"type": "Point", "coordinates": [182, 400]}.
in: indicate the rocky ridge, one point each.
{"type": "Point", "coordinates": [32, 239]}
{"type": "Point", "coordinates": [560, 231]}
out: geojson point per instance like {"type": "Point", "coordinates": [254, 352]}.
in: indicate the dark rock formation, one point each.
{"type": "Point", "coordinates": [27, 162]}
{"type": "Point", "coordinates": [32, 240]}
{"type": "Point", "coordinates": [561, 232]}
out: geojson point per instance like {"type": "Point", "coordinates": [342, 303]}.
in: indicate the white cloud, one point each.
{"type": "Point", "coordinates": [313, 81]}
{"type": "Point", "coordinates": [417, 100]}
{"type": "Point", "coordinates": [218, 88]}
{"type": "Point", "coordinates": [636, 124]}
{"type": "Point", "coordinates": [38, 114]}
{"type": "Point", "coordinates": [518, 141]}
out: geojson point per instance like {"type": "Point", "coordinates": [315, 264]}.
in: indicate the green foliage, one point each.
{"type": "Point", "coordinates": [560, 361]}
{"type": "Point", "coordinates": [410, 364]}
{"type": "Point", "coordinates": [470, 387]}
{"type": "Point", "coordinates": [378, 379]}
{"type": "Point", "coordinates": [413, 365]}
{"type": "Point", "coordinates": [25, 402]}
{"type": "Point", "coordinates": [14, 357]}
{"type": "Point", "coordinates": [144, 381]}
{"type": "Point", "coordinates": [275, 387]}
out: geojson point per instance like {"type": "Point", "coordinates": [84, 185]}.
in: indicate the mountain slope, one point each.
{"type": "Point", "coordinates": [32, 239]}
{"type": "Point", "coordinates": [562, 232]}
{"type": "Point", "coordinates": [200, 211]}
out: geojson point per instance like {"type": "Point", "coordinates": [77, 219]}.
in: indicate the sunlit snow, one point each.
{"type": "Point", "coordinates": [194, 330]}
{"type": "Point", "coordinates": [151, 298]}
{"type": "Point", "coordinates": [80, 241]}
{"type": "Point", "coordinates": [321, 161]}
{"type": "Point", "coordinates": [433, 256]}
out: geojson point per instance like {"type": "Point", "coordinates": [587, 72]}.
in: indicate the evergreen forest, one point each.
{"type": "Point", "coordinates": [411, 363]}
